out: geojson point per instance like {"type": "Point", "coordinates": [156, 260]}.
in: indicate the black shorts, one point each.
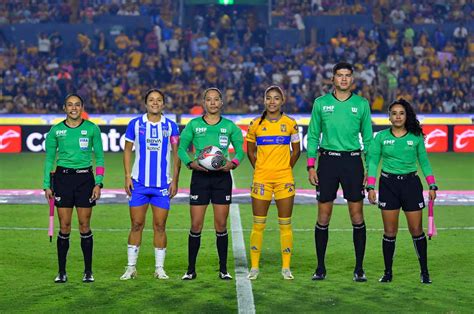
{"type": "Point", "coordinates": [401, 191]}
{"type": "Point", "coordinates": [212, 186]}
{"type": "Point", "coordinates": [73, 187]}
{"type": "Point", "coordinates": [345, 168]}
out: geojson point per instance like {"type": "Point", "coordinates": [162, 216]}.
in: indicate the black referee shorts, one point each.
{"type": "Point", "coordinates": [345, 168]}
{"type": "Point", "coordinates": [212, 186]}
{"type": "Point", "coordinates": [73, 187]}
{"type": "Point", "coordinates": [400, 191]}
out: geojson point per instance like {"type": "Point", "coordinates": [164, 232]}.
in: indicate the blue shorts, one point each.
{"type": "Point", "coordinates": [142, 195]}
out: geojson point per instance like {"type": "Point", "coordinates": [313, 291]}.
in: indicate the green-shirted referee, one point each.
{"type": "Point", "coordinates": [340, 118]}
{"type": "Point", "coordinates": [210, 186]}
{"type": "Point", "coordinates": [74, 140]}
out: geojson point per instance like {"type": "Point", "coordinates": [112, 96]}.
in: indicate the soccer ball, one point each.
{"type": "Point", "coordinates": [211, 158]}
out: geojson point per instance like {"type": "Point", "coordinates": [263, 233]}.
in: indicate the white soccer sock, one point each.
{"type": "Point", "coordinates": [160, 254]}
{"type": "Point", "coordinates": [132, 254]}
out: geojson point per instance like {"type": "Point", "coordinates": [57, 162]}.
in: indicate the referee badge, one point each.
{"type": "Point", "coordinates": [223, 141]}
{"type": "Point", "coordinates": [83, 143]}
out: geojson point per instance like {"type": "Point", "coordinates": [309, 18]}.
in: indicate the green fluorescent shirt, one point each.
{"type": "Point", "coordinates": [201, 134]}
{"type": "Point", "coordinates": [340, 123]}
{"type": "Point", "coordinates": [74, 147]}
{"type": "Point", "coordinates": [399, 154]}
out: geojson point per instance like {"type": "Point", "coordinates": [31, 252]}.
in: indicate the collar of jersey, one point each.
{"type": "Point", "coordinates": [145, 119]}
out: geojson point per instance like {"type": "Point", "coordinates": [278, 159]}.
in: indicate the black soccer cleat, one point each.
{"type": "Point", "coordinates": [425, 278]}
{"type": "Point", "coordinates": [225, 276]}
{"type": "Point", "coordinates": [319, 274]}
{"type": "Point", "coordinates": [189, 276]}
{"type": "Point", "coordinates": [387, 277]}
{"type": "Point", "coordinates": [88, 277]}
{"type": "Point", "coordinates": [61, 278]}
{"type": "Point", "coordinates": [359, 276]}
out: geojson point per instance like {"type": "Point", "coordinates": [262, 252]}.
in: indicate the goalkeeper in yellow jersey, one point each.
{"type": "Point", "coordinates": [268, 148]}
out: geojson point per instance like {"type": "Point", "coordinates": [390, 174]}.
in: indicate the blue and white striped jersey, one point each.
{"type": "Point", "coordinates": [152, 165]}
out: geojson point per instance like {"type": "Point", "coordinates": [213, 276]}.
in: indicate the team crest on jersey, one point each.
{"type": "Point", "coordinates": [354, 110]}
{"type": "Point", "coordinates": [83, 132]}
{"type": "Point", "coordinates": [61, 132]}
{"type": "Point", "coordinates": [83, 143]}
{"type": "Point", "coordinates": [165, 133]}
{"type": "Point", "coordinates": [223, 140]}
{"type": "Point", "coordinates": [283, 127]}
{"type": "Point", "coordinates": [410, 143]}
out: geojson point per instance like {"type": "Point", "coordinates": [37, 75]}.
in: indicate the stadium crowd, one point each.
{"type": "Point", "coordinates": [230, 49]}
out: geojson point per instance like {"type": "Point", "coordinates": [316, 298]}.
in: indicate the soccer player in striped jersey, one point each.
{"type": "Point", "coordinates": [74, 140]}
{"type": "Point", "coordinates": [210, 186]}
{"type": "Point", "coordinates": [268, 148]}
{"type": "Point", "coordinates": [339, 117]}
{"type": "Point", "coordinates": [153, 180]}
{"type": "Point", "coordinates": [400, 147]}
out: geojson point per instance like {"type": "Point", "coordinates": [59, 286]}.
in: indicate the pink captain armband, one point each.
{"type": "Point", "coordinates": [311, 162]}
{"type": "Point", "coordinates": [236, 162]}
{"type": "Point", "coordinates": [430, 180]}
{"type": "Point", "coordinates": [371, 181]}
{"type": "Point", "coordinates": [174, 139]}
{"type": "Point", "coordinates": [99, 171]}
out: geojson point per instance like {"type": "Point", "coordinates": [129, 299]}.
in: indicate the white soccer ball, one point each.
{"type": "Point", "coordinates": [211, 158]}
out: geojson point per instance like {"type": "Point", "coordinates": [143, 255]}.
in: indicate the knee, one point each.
{"type": "Point", "coordinates": [390, 232]}
{"type": "Point", "coordinates": [65, 227]}
{"type": "Point", "coordinates": [137, 226]}
{"type": "Point", "coordinates": [323, 220]}
{"type": "Point", "coordinates": [196, 227]}
{"type": "Point", "coordinates": [84, 226]}
{"type": "Point", "coordinates": [220, 226]}
{"type": "Point", "coordinates": [159, 227]}
{"type": "Point", "coordinates": [415, 230]}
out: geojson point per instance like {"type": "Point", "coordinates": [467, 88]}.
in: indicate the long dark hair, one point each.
{"type": "Point", "coordinates": [411, 124]}
{"type": "Point", "coordinates": [275, 88]}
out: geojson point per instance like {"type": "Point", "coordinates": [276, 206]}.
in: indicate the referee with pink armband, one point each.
{"type": "Point", "coordinates": [74, 140]}
{"type": "Point", "coordinates": [400, 147]}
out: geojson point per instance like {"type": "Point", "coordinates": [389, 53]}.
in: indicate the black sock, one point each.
{"type": "Point", "coordinates": [222, 243]}
{"type": "Point", "coordinates": [388, 248]}
{"type": "Point", "coordinates": [87, 245]}
{"type": "Point", "coordinates": [359, 238]}
{"type": "Point", "coordinates": [194, 242]}
{"type": "Point", "coordinates": [321, 237]}
{"type": "Point", "coordinates": [421, 248]}
{"type": "Point", "coordinates": [62, 245]}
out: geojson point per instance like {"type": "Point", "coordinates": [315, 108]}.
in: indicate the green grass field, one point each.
{"type": "Point", "coordinates": [28, 261]}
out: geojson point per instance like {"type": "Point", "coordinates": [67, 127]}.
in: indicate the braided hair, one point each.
{"type": "Point", "coordinates": [411, 124]}
{"type": "Point", "coordinates": [275, 88]}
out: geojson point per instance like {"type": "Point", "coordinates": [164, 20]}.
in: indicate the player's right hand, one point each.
{"type": "Point", "coordinates": [196, 166]}
{"type": "Point", "coordinates": [372, 197]}
{"type": "Point", "coordinates": [48, 194]}
{"type": "Point", "coordinates": [128, 186]}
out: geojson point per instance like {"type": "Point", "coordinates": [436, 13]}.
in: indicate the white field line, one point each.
{"type": "Point", "coordinates": [245, 301]}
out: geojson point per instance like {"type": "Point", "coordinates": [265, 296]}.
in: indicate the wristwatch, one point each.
{"type": "Point", "coordinates": [100, 185]}
{"type": "Point", "coordinates": [433, 187]}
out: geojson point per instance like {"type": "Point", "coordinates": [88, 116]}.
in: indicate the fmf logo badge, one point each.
{"type": "Point", "coordinates": [10, 139]}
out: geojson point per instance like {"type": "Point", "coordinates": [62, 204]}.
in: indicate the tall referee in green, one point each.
{"type": "Point", "coordinates": [74, 140]}
{"type": "Point", "coordinates": [337, 120]}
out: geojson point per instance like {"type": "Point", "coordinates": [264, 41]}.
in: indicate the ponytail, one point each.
{"type": "Point", "coordinates": [264, 114]}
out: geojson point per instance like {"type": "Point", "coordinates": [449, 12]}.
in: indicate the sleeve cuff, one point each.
{"type": "Point", "coordinates": [311, 162]}
{"type": "Point", "coordinates": [431, 180]}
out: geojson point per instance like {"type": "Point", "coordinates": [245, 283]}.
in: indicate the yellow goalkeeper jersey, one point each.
{"type": "Point", "coordinates": [273, 139]}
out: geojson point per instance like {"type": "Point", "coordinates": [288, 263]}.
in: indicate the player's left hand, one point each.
{"type": "Point", "coordinates": [173, 189]}
{"type": "Point", "coordinates": [432, 195]}
{"type": "Point", "coordinates": [364, 183]}
{"type": "Point", "coordinates": [229, 165]}
{"type": "Point", "coordinates": [95, 194]}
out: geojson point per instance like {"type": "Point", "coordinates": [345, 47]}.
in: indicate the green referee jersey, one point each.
{"type": "Point", "coordinates": [201, 134]}
{"type": "Point", "coordinates": [399, 154]}
{"type": "Point", "coordinates": [74, 147]}
{"type": "Point", "coordinates": [339, 123]}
